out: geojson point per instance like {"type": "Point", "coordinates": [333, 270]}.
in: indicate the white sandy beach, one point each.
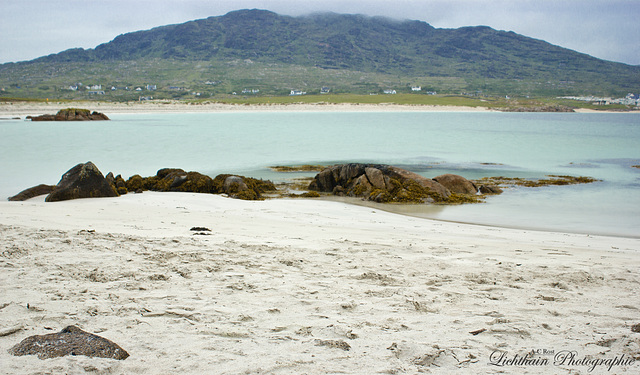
{"type": "Point", "coordinates": [22, 109]}
{"type": "Point", "coordinates": [285, 286]}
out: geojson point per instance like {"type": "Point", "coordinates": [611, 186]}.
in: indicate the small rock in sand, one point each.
{"type": "Point", "coordinates": [70, 341]}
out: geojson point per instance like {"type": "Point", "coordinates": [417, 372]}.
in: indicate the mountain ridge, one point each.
{"type": "Point", "coordinates": [404, 48]}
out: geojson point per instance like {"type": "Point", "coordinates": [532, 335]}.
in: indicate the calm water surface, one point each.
{"type": "Point", "coordinates": [604, 146]}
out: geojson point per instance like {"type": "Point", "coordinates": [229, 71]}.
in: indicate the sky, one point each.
{"type": "Point", "coordinates": [606, 29]}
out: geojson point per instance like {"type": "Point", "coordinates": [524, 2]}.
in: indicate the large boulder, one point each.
{"type": "Point", "coordinates": [380, 183]}
{"type": "Point", "coordinates": [70, 341]}
{"type": "Point", "coordinates": [82, 181]}
{"type": "Point", "coordinates": [456, 184]}
{"type": "Point", "coordinates": [35, 191]}
{"type": "Point", "coordinates": [71, 114]}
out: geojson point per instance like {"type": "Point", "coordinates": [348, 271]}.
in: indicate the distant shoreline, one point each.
{"type": "Point", "coordinates": [31, 108]}
{"type": "Point", "coordinates": [21, 109]}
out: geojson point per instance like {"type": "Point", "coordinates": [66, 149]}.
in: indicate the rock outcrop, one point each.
{"type": "Point", "coordinates": [32, 192]}
{"type": "Point", "coordinates": [173, 179]}
{"type": "Point", "coordinates": [384, 183]}
{"type": "Point", "coordinates": [70, 341]}
{"type": "Point", "coordinates": [71, 114]}
{"type": "Point", "coordinates": [82, 181]}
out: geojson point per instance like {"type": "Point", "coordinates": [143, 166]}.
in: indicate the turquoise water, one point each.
{"type": "Point", "coordinates": [603, 146]}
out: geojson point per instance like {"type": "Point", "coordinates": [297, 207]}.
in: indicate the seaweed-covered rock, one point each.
{"type": "Point", "coordinates": [378, 182]}
{"type": "Point", "coordinates": [456, 184]}
{"type": "Point", "coordinates": [82, 181]}
{"type": "Point", "coordinates": [134, 183]}
{"type": "Point", "coordinates": [121, 185]}
{"type": "Point", "coordinates": [35, 191]}
{"type": "Point", "coordinates": [70, 341]}
{"type": "Point", "coordinates": [174, 179]}
{"type": "Point", "coordinates": [241, 187]}
{"type": "Point", "coordinates": [71, 114]}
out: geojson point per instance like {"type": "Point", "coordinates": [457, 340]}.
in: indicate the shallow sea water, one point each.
{"type": "Point", "coordinates": [604, 146]}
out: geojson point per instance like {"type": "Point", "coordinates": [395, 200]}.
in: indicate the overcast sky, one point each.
{"type": "Point", "coordinates": [607, 29]}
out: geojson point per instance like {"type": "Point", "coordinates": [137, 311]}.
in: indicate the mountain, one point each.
{"type": "Point", "coordinates": [479, 56]}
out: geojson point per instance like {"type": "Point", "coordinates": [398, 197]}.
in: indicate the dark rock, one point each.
{"type": "Point", "coordinates": [456, 184]}
{"type": "Point", "coordinates": [32, 192]}
{"type": "Point", "coordinates": [164, 172]}
{"type": "Point", "coordinates": [70, 341]}
{"type": "Point", "coordinates": [200, 229]}
{"type": "Point", "coordinates": [71, 114]}
{"type": "Point", "coordinates": [489, 189]}
{"type": "Point", "coordinates": [110, 179]}
{"type": "Point", "coordinates": [82, 181]}
{"type": "Point", "coordinates": [42, 118]}
{"type": "Point", "coordinates": [326, 180]}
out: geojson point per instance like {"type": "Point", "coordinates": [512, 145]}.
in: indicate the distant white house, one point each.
{"type": "Point", "coordinates": [416, 88]}
{"type": "Point", "coordinates": [297, 92]}
{"type": "Point", "coordinates": [250, 91]}
{"type": "Point", "coordinates": [325, 90]}
{"type": "Point", "coordinates": [151, 87]}
{"type": "Point", "coordinates": [138, 88]}
{"type": "Point", "coordinates": [390, 92]}
{"type": "Point", "coordinates": [96, 87]}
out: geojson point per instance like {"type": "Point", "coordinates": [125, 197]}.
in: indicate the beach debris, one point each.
{"type": "Point", "coordinates": [82, 181]}
{"type": "Point", "coordinates": [201, 231]}
{"type": "Point", "coordinates": [635, 328]}
{"type": "Point", "coordinates": [71, 114]}
{"type": "Point", "coordinates": [70, 341]}
{"type": "Point", "coordinates": [338, 344]}
{"type": "Point", "coordinates": [478, 331]}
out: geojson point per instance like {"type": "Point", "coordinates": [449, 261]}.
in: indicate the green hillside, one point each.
{"type": "Point", "coordinates": [260, 50]}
